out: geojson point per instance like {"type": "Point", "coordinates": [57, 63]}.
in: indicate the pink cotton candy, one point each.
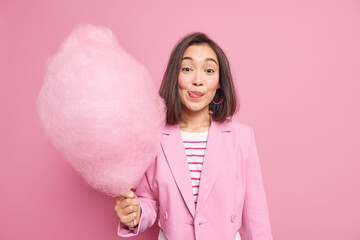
{"type": "Point", "coordinates": [99, 107]}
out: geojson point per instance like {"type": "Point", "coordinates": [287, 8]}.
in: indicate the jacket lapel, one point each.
{"type": "Point", "coordinates": [173, 148]}
{"type": "Point", "coordinates": [215, 153]}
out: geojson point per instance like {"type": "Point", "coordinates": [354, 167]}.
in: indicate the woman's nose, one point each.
{"type": "Point", "coordinates": [197, 80]}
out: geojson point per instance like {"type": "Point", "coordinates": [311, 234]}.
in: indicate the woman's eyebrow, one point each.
{"type": "Point", "coordinates": [207, 59]}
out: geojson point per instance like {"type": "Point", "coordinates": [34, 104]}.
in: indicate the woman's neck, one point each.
{"type": "Point", "coordinates": [195, 121]}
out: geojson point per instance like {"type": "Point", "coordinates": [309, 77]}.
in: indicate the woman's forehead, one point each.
{"type": "Point", "coordinates": [199, 53]}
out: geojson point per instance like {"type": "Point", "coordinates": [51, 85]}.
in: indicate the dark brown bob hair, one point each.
{"type": "Point", "coordinates": [169, 86]}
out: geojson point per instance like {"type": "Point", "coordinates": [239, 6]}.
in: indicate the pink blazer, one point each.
{"type": "Point", "coordinates": [231, 192]}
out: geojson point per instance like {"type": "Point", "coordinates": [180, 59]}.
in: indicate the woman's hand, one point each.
{"type": "Point", "coordinates": [128, 209]}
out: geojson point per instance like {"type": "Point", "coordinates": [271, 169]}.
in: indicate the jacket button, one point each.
{"type": "Point", "coordinates": [166, 216]}
{"type": "Point", "coordinates": [233, 217]}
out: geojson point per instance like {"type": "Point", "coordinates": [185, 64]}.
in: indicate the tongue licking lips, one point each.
{"type": "Point", "coordinates": [195, 94]}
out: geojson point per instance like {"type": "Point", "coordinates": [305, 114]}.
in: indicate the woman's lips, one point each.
{"type": "Point", "coordinates": [195, 94]}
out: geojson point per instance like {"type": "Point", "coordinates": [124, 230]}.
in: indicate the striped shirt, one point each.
{"type": "Point", "coordinates": [195, 145]}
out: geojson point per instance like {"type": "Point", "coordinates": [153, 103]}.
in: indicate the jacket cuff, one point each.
{"type": "Point", "coordinates": [124, 231]}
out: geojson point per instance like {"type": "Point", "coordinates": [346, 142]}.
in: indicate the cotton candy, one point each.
{"type": "Point", "coordinates": [99, 107]}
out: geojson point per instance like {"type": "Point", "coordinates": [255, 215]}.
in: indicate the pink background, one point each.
{"type": "Point", "coordinates": [297, 70]}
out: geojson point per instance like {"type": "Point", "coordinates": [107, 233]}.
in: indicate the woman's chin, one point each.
{"type": "Point", "coordinates": [197, 109]}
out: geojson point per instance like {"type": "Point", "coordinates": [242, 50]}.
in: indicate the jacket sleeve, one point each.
{"type": "Point", "coordinates": [149, 209]}
{"type": "Point", "coordinates": [255, 218]}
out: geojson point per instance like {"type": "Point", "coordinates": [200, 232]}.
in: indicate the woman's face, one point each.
{"type": "Point", "coordinates": [198, 77]}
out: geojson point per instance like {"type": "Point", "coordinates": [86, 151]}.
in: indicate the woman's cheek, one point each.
{"type": "Point", "coordinates": [182, 81]}
{"type": "Point", "coordinates": [213, 84]}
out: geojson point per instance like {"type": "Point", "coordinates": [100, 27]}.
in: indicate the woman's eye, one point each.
{"type": "Point", "coordinates": [210, 70]}
{"type": "Point", "coordinates": [186, 69]}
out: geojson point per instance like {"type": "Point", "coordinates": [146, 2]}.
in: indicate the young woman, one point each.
{"type": "Point", "coordinates": [206, 180]}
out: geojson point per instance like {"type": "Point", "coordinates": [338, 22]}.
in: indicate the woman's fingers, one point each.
{"type": "Point", "coordinates": [128, 209]}
{"type": "Point", "coordinates": [129, 194]}
{"type": "Point", "coordinates": [128, 219]}
{"type": "Point", "coordinates": [128, 202]}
